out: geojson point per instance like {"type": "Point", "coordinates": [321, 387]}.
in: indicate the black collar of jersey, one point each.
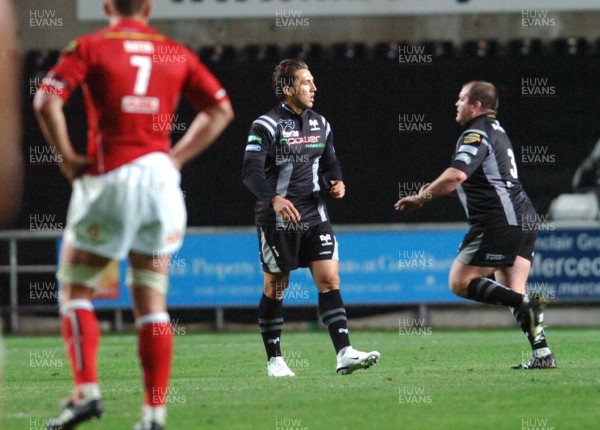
{"type": "Point", "coordinates": [489, 115]}
{"type": "Point", "coordinates": [284, 107]}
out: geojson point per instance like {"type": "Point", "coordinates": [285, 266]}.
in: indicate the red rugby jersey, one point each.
{"type": "Point", "coordinates": [132, 77]}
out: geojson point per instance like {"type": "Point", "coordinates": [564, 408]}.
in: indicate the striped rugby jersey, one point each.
{"type": "Point", "coordinates": [291, 155]}
{"type": "Point", "coordinates": [492, 195]}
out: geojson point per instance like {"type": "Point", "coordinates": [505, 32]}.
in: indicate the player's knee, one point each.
{"type": "Point", "coordinates": [79, 275]}
{"type": "Point", "coordinates": [274, 288]}
{"type": "Point", "coordinates": [149, 279]}
{"type": "Point", "coordinates": [328, 283]}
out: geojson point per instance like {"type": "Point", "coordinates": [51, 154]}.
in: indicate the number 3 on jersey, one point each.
{"type": "Point", "coordinates": [513, 170]}
{"type": "Point", "coordinates": [144, 65]}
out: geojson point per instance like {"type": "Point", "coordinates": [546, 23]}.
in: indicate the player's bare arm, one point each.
{"type": "Point", "coordinates": [445, 184]}
{"type": "Point", "coordinates": [285, 209]}
{"type": "Point", "coordinates": [338, 189]}
{"type": "Point", "coordinates": [49, 112]}
{"type": "Point", "coordinates": [205, 128]}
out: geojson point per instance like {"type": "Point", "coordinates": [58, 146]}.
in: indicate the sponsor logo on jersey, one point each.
{"type": "Point", "coordinates": [293, 133]}
{"type": "Point", "coordinates": [315, 145]}
{"type": "Point", "coordinates": [314, 125]}
{"type": "Point", "coordinates": [325, 239]}
{"type": "Point", "coordinates": [472, 139]}
{"type": "Point", "coordinates": [254, 138]}
{"type": "Point", "coordinates": [298, 140]}
{"type": "Point", "coordinates": [253, 148]}
{"type": "Point", "coordinates": [287, 128]}
{"type": "Point", "coordinates": [138, 104]}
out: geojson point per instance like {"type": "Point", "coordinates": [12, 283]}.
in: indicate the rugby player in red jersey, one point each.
{"type": "Point", "coordinates": [126, 199]}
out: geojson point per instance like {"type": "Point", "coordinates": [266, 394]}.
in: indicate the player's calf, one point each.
{"type": "Point", "coordinates": [533, 307]}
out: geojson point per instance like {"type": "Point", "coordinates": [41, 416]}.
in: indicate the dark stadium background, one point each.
{"type": "Point", "coordinates": [362, 100]}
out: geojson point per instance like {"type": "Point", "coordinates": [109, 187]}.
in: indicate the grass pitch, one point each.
{"type": "Point", "coordinates": [430, 380]}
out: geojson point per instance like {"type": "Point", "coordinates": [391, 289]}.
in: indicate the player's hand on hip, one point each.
{"type": "Point", "coordinates": [410, 203]}
{"type": "Point", "coordinates": [338, 189]}
{"type": "Point", "coordinates": [285, 209]}
{"type": "Point", "coordinates": [73, 166]}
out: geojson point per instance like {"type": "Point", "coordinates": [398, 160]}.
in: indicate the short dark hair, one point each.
{"type": "Point", "coordinates": [285, 75]}
{"type": "Point", "coordinates": [128, 7]}
{"type": "Point", "coordinates": [484, 92]}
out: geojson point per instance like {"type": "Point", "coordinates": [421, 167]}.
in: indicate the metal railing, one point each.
{"type": "Point", "coordinates": [14, 269]}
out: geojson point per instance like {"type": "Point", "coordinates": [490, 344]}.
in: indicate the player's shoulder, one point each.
{"type": "Point", "coordinates": [493, 125]}
{"type": "Point", "coordinates": [270, 116]}
{"type": "Point", "coordinates": [492, 131]}
{"type": "Point", "coordinates": [490, 123]}
{"type": "Point", "coordinates": [478, 131]}
{"type": "Point", "coordinates": [171, 51]}
{"type": "Point", "coordinates": [267, 121]}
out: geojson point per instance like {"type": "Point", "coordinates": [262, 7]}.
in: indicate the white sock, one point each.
{"type": "Point", "coordinates": [157, 414]}
{"type": "Point", "coordinates": [541, 352]}
{"type": "Point", "coordinates": [89, 391]}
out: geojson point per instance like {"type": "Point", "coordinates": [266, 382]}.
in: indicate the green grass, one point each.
{"type": "Point", "coordinates": [459, 380]}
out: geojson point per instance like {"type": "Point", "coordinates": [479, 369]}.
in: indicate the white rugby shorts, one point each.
{"type": "Point", "coordinates": [137, 207]}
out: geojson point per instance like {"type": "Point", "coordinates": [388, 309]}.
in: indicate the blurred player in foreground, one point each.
{"type": "Point", "coordinates": [126, 200]}
{"type": "Point", "coordinates": [289, 150]}
{"type": "Point", "coordinates": [502, 219]}
{"type": "Point", "coordinates": [11, 166]}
